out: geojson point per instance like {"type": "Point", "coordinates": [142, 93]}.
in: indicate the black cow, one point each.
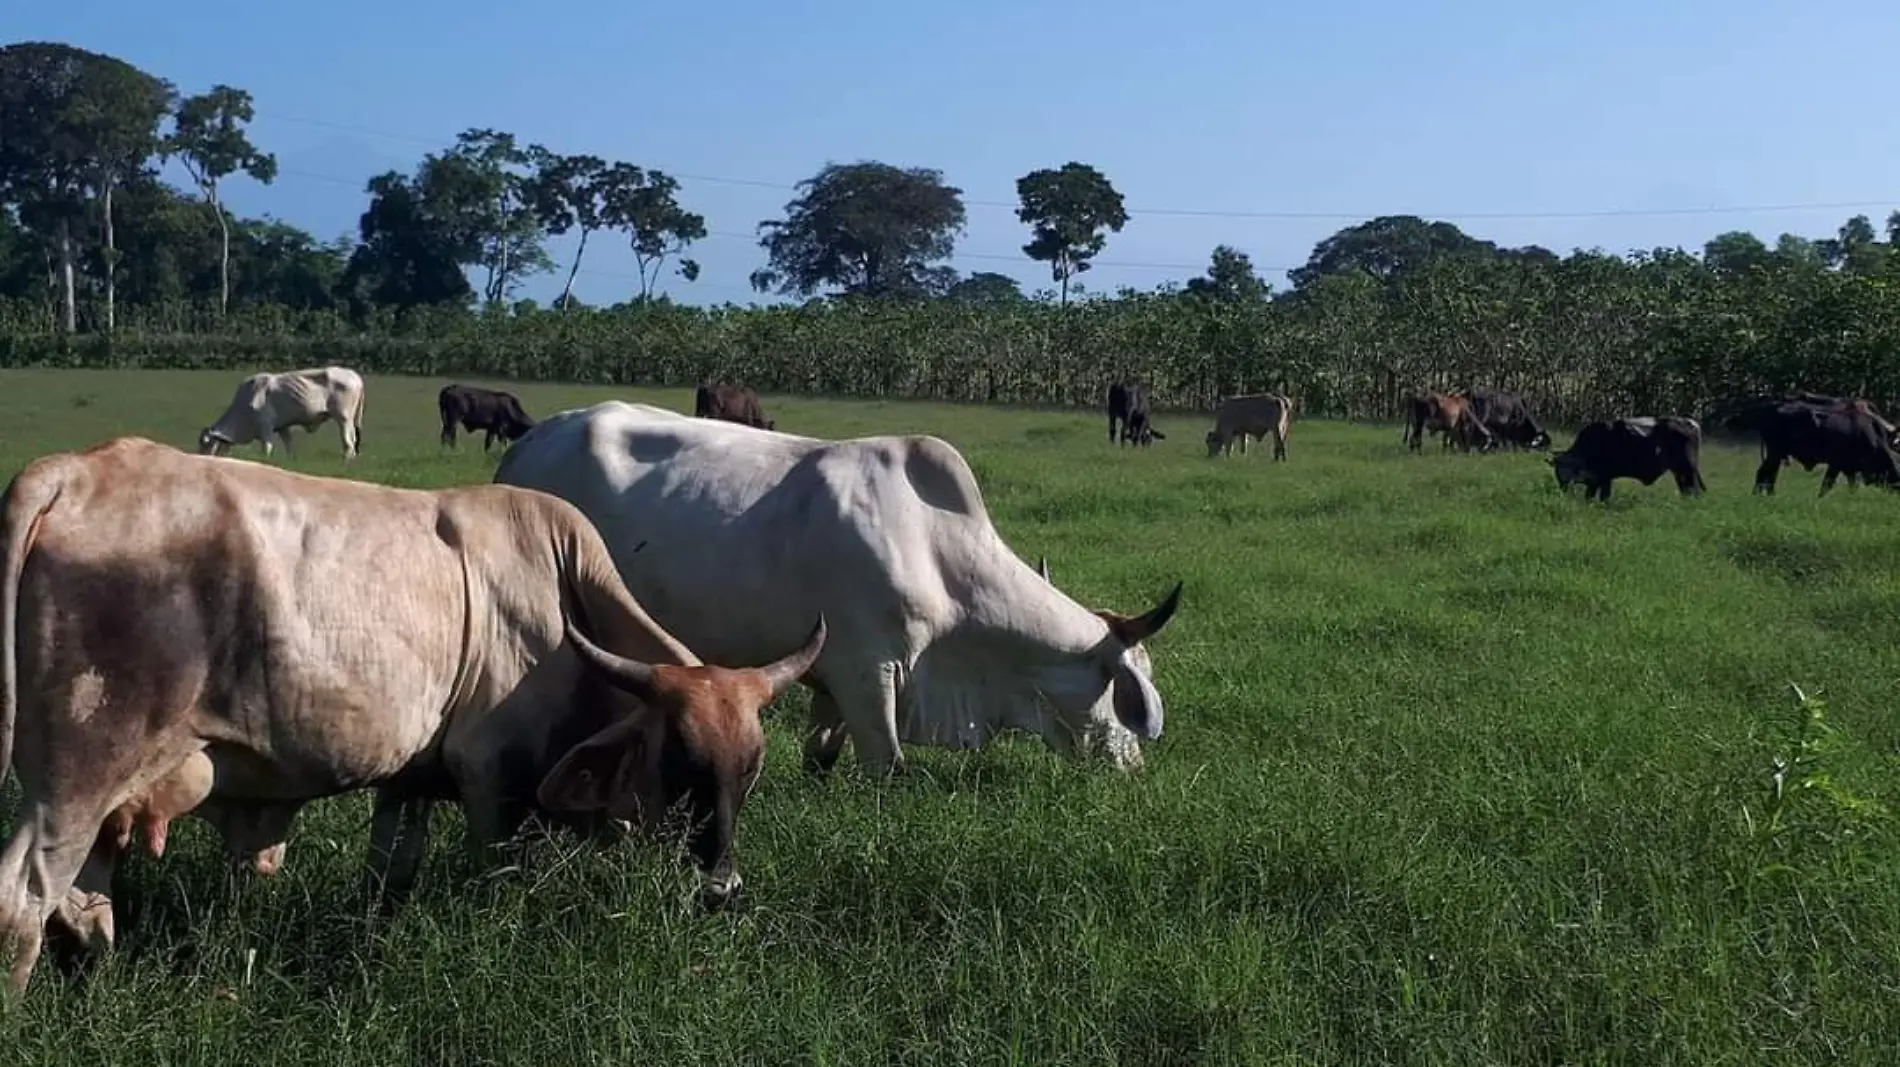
{"type": "Point", "coordinates": [1847, 437]}
{"type": "Point", "coordinates": [475, 408]}
{"type": "Point", "coordinates": [1508, 419]}
{"type": "Point", "coordinates": [1128, 404]}
{"type": "Point", "coordinates": [732, 403]}
{"type": "Point", "coordinates": [1641, 448]}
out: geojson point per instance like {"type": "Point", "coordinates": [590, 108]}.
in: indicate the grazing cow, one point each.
{"type": "Point", "coordinates": [266, 407]}
{"type": "Point", "coordinates": [1642, 448]}
{"type": "Point", "coordinates": [1446, 414]}
{"type": "Point", "coordinates": [1128, 405]}
{"type": "Point", "coordinates": [731, 403]}
{"type": "Point", "coordinates": [1507, 418]}
{"type": "Point", "coordinates": [232, 640]}
{"type": "Point", "coordinates": [940, 634]}
{"type": "Point", "coordinates": [1255, 415]}
{"type": "Point", "coordinates": [475, 408]}
{"type": "Point", "coordinates": [1848, 438]}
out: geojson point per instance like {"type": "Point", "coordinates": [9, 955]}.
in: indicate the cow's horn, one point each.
{"type": "Point", "coordinates": [1141, 628]}
{"type": "Point", "coordinates": [1042, 568]}
{"type": "Point", "coordinates": [629, 674]}
{"type": "Point", "coordinates": [780, 674]}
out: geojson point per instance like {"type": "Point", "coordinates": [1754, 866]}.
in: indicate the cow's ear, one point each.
{"type": "Point", "coordinates": [1137, 702]}
{"type": "Point", "coordinates": [606, 772]}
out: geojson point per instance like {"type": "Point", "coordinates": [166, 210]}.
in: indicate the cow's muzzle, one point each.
{"type": "Point", "coordinates": [721, 888]}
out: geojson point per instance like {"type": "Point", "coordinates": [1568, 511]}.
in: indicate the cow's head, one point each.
{"type": "Point", "coordinates": [1540, 439]}
{"type": "Point", "coordinates": [1569, 468]}
{"type": "Point", "coordinates": [1214, 442]}
{"type": "Point", "coordinates": [212, 443]}
{"type": "Point", "coordinates": [1106, 701]}
{"type": "Point", "coordinates": [696, 749]}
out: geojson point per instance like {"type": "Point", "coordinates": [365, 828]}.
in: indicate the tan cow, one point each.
{"type": "Point", "coordinates": [217, 636]}
{"type": "Point", "coordinates": [1254, 415]}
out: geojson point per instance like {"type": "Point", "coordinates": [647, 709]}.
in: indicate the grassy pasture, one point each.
{"type": "Point", "coordinates": [1457, 770]}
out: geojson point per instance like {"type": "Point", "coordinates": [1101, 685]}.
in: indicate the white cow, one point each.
{"type": "Point", "coordinates": [266, 406]}
{"type": "Point", "coordinates": [939, 634]}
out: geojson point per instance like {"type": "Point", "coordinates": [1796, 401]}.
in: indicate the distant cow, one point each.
{"type": "Point", "coordinates": [732, 403]}
{"type": "Point", "coordinates": [497, 413]}
{"type": "Point", "coordinates": [1128, 405]}
{"type": "Point", "coordinates": [1643, 448]}
{"type": "Point", "coordinates": [266, 406]}
{"type": "Point", "coordinates": [1448, 414]}
{"type": "Point", "coordinates": [1254, 415]}
{"type": "Point", "coordinates": [1848, 438]}
{"type": "Point", "coordinates": [1508, 418]}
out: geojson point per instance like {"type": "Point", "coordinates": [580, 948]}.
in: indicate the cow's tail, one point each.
{"type": "Point", "coordinates": [27, 500]}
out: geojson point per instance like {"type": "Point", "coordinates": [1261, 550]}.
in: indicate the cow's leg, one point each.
{"type": "Point", "coordinates": [827, 735]}
{"type": "Point", "coordinates": [1765, 474]}
{"type": "Point", "coordinates": [867, 701]}
{"type": "Point", "coordinates": [398, 839]}
{"type": "Point", "coordinates": [488, 440]}
{"type": "Point", "coordinates": [1111, 429]}
{"type": "Point", "coordinates": [1600, 489]}
{"type": "Point", "coordinates": [1279, 445]}
{"type": "Point", "coordinates": [38, 870]}
{"type": "Point", "coordinates": [448, 432]}
{"type": "Point", "coordinates": [1828, 479]}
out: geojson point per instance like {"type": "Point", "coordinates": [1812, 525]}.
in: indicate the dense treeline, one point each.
{"type": "Point", "coordinates": [104, 264]}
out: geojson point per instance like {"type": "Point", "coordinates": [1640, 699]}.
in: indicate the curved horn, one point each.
{"type": "Point", "coordinates": [1042, 568]}
{"type": "Point", "coordinates": [629, 674]}
{"type": "Point", "coordinates": [1142, 627]}
{"type": "Point", "coordinates": [780, 674]}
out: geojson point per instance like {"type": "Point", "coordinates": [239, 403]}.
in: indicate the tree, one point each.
{"type": "Point", "coordinates": [872, 229]}
{"type": "Point", "coordinates": [410, 254]}
{"type": "Point", "coordinates": [1735, 252]}
{"type": "Point", "coordinates": [208, 137]}
{"type": "Point", "coordinates": [73, 121]}
{"type": "Point", "coordinates": [1230, 276]}
{"type": "Point", "coordinates": [986, 287]}
{"type": "Point", "coordinates": [1067, 210]}
{"type": "Point", "coordinates": [573, 192]}
{"type": "Point", "coordinates": [651, 214]}
{"type": "Point", "coordinates": [1388, 248]}
{"type": "Point", "coordinates": [119, 115]}
{"type": "Point", "coordinates": [484, 189]}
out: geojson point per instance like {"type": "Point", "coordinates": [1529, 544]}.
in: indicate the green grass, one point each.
{"type": "Point", "coordinates": [1458, 770]}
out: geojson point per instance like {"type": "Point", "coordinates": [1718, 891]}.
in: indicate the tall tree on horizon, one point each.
{"type": "Point", "coordinates": [1067, 211]}
{"type": "Point", "coordinates": [871, 229]}
{"type": "Point", "coordinates": [208, 137]}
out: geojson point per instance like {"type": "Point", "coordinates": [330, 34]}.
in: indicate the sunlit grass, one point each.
{"type": "Point", "coordinates": [1458, 770]}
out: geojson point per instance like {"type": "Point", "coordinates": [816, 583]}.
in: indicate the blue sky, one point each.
{"type": "Point", "coordinates": [1334, 112]}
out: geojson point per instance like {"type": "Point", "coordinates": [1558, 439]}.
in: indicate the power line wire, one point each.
{"type": "Point", "coordinates": [1214, 213]}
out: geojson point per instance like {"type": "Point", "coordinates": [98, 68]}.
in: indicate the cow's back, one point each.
{"type": "Point", "coordinates": [174, 569]}
{"type": "Point", "coordinates": [733, 539]}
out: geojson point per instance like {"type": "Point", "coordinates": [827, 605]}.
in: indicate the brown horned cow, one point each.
{"type": "Point", "coordinates": [1449, 414]}
{"type": "Point", "coordinates": [232, 640]}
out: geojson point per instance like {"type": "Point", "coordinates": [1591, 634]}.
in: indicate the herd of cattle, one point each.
{"type": "Point", "coordinates": [1847, 435]}
{"type": "Point", "coordinates": [592, 638]}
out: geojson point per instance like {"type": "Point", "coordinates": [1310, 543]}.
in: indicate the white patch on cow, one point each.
{"type": "Point", "coordinates": [89, 694]}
